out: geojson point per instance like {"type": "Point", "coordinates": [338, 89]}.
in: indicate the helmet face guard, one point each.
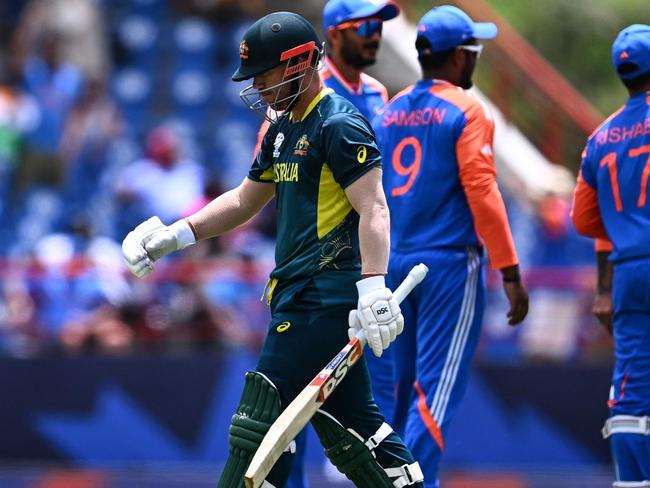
{"type": "Point", "coordinates": [300, 72]}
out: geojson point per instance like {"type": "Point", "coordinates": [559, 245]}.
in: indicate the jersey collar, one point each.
{"type": "Point", "coordinates": [321, 94]}
{"type": "Point", "coordinates": [349, 87]}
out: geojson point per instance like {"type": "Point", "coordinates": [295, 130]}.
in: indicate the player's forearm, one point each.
{"type": "Point", "coordinates": [605, 269]}
{"type": "Point", "coordinates": [374, 239]}
{"type": "Point", "coordinates": [226, 212]}
{"type": "Point", "coordinates": [491, 221]}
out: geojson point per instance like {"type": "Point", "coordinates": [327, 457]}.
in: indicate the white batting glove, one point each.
{"type": "Point", "coordinates": [377, 313]}
{"type": "Point", "coordinates": [152, 240]}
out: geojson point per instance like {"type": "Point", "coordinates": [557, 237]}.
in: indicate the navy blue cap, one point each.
{"type": "Point", "coordinates": [448, 26]}
{"type": "Point", "coordinates": [336, 12]}
{"type": "Point", "coordinates": [632, 46]}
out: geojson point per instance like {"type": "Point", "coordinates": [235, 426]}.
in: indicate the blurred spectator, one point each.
{"type": "Point", "coordinates": [20, 335]}
{"type": "Point", "coordinates": [233, 293]}
{"type": "Point", "coordinates": [79, 24]}
{"type": "Point", "coordinates": [55, 86]}
{"type": "Point", "coordinates": [18, 113]}
{"type": "Point", "coordinates": [555, 253]}
{"type": "Point", "coordinates": [93, 125]}
{"type": "Point", "coordinates": [164, 183]}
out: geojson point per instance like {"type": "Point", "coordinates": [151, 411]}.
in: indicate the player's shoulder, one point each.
{"type": "Point", "coordinates": [399, 96]}
{"type": "Point", "coordinates": [467, 102]}
{"type": "Point", "coordinates": [335, 108]}
{"type": "Point", "coordinates": [605, 124]}
{"type": "Point", "coordinates": [374, 85]}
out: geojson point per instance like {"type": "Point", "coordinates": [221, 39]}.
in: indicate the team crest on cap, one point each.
{"type": "Point", "coordinates": [301, 146]}
{"type": "Point", "coordinates": [624, 55]}
{"type": "Point", "coordinates": [243, 50]}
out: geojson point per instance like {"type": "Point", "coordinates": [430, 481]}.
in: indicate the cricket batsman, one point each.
{"type": "Point", "coordinates": [320, 161]}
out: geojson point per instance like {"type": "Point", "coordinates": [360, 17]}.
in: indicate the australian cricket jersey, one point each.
{"type": "Point", "coordinates": [311, 162]}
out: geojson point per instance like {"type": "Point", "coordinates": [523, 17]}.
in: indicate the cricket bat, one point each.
{"type": "Point", "coordinates": [300, 411]}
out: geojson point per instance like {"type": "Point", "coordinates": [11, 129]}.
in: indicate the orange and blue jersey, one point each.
{"type": "Point", "coordinates": [610, 201]}
{"type": "Point", "coordinates": [439, 172]}
{"type": "Point", "coordinates": [369, 95]}
{"type": "Point", "coordinates": [611, 197]}
{"type": "Point", "coordinates": [440, 183]}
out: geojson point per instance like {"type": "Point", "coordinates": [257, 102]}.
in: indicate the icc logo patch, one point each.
{"type": "Point", "coordinates": [279, 139]}
{"type": "Point", "coordinates": [243, 50]}
{"type": "Point", "coordinates": [301, 146]}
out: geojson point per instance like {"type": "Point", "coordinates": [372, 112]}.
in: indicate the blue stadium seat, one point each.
{"type": "Point", "coordinates": [192, 96]}
{"type": "Point", "coordinates": [132, 90]}
{"type": "Point", "coordinates": [154, 9]}
{"type": "Point", "coordinates": [138, 36]}
{"type": "Point", "coordinates": [231, 145]}
{"type": "Point", "coordinates": [194, 45]}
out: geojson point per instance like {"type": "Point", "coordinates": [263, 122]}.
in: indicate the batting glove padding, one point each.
{"type": "Point", "coordinates": [152, 240]}
{"type": "Point", "coordinates": [377, 313]}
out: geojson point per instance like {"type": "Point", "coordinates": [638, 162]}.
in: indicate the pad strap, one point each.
{"type": "Point", "coordinates": [626, 424]}
{"type": "Point", "coordinates": [408, 474]}
{"type": "Point", "coordinates": [631, 484]}
{"type": "Point", "coordinates": [377, 438]}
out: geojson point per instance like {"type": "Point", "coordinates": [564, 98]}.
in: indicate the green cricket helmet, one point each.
{"type": "Point", "coordinates": [274, 39]}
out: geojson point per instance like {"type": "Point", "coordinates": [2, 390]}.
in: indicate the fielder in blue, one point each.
{"type": "Point", "coordinates": [353, 31]}
{"type": "Point", "coordinates": [610, 202]}
{"type": "Point", "coordinates": [440, 184]}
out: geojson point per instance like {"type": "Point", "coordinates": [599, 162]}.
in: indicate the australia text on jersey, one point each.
{"type": "Point", "coordinates": [285, 172]}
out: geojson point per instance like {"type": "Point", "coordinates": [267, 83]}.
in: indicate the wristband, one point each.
{"type": "Point", "coordinates": [183, 233]}
{"type": "Point", "coordinates": [368, 284]}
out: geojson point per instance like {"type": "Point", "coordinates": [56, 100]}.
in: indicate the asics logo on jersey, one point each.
{"type": "Point", "coordinates": [362, 153]}
{"type": "Point", "coordinates": [283, 326]}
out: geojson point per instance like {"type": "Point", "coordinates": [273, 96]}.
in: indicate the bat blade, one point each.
{"type": "Point", "coordinates": [286, 427]}
{"type": "Point", "coordinates": [300, 411]}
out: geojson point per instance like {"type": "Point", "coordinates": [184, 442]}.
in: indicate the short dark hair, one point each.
{"type": "Point", "coordinates": [429, 59]}
{"type": "Point", "coordinates": [638, 83]}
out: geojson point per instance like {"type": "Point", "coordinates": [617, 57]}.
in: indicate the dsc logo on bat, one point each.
{"type": "Point", "coordinates": [336, 370]}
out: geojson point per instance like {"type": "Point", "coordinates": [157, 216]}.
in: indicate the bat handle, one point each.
{"type": "Point", "coordinates": [415, 276]}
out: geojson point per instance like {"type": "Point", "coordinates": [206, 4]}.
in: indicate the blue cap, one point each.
{"type": "Point", "coordinates": [336, 12]}
{"type": "Point", "coordinates": [447, 26]}
{"type": "Point", "coordinates": [632, 46]}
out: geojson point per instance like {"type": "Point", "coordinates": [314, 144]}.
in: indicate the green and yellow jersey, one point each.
{"type": "Point", "coordinates": [311, 162]}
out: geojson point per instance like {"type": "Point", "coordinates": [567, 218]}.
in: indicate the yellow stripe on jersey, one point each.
{"type": "Point", "coordinates": [321, 94]}
{"type": "Point", "coordinates": [269, 288]}
{"type": "Point", "coordinates": [268, 175]}
{"type": "Point", "coordinates": [333, 204]}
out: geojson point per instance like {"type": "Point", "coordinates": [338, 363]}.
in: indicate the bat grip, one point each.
{"type": "Point", "coordinates": [415, 276]}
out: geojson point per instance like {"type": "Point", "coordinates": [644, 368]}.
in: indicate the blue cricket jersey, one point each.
{"type": "Point", "coordinates": [614, 181]}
